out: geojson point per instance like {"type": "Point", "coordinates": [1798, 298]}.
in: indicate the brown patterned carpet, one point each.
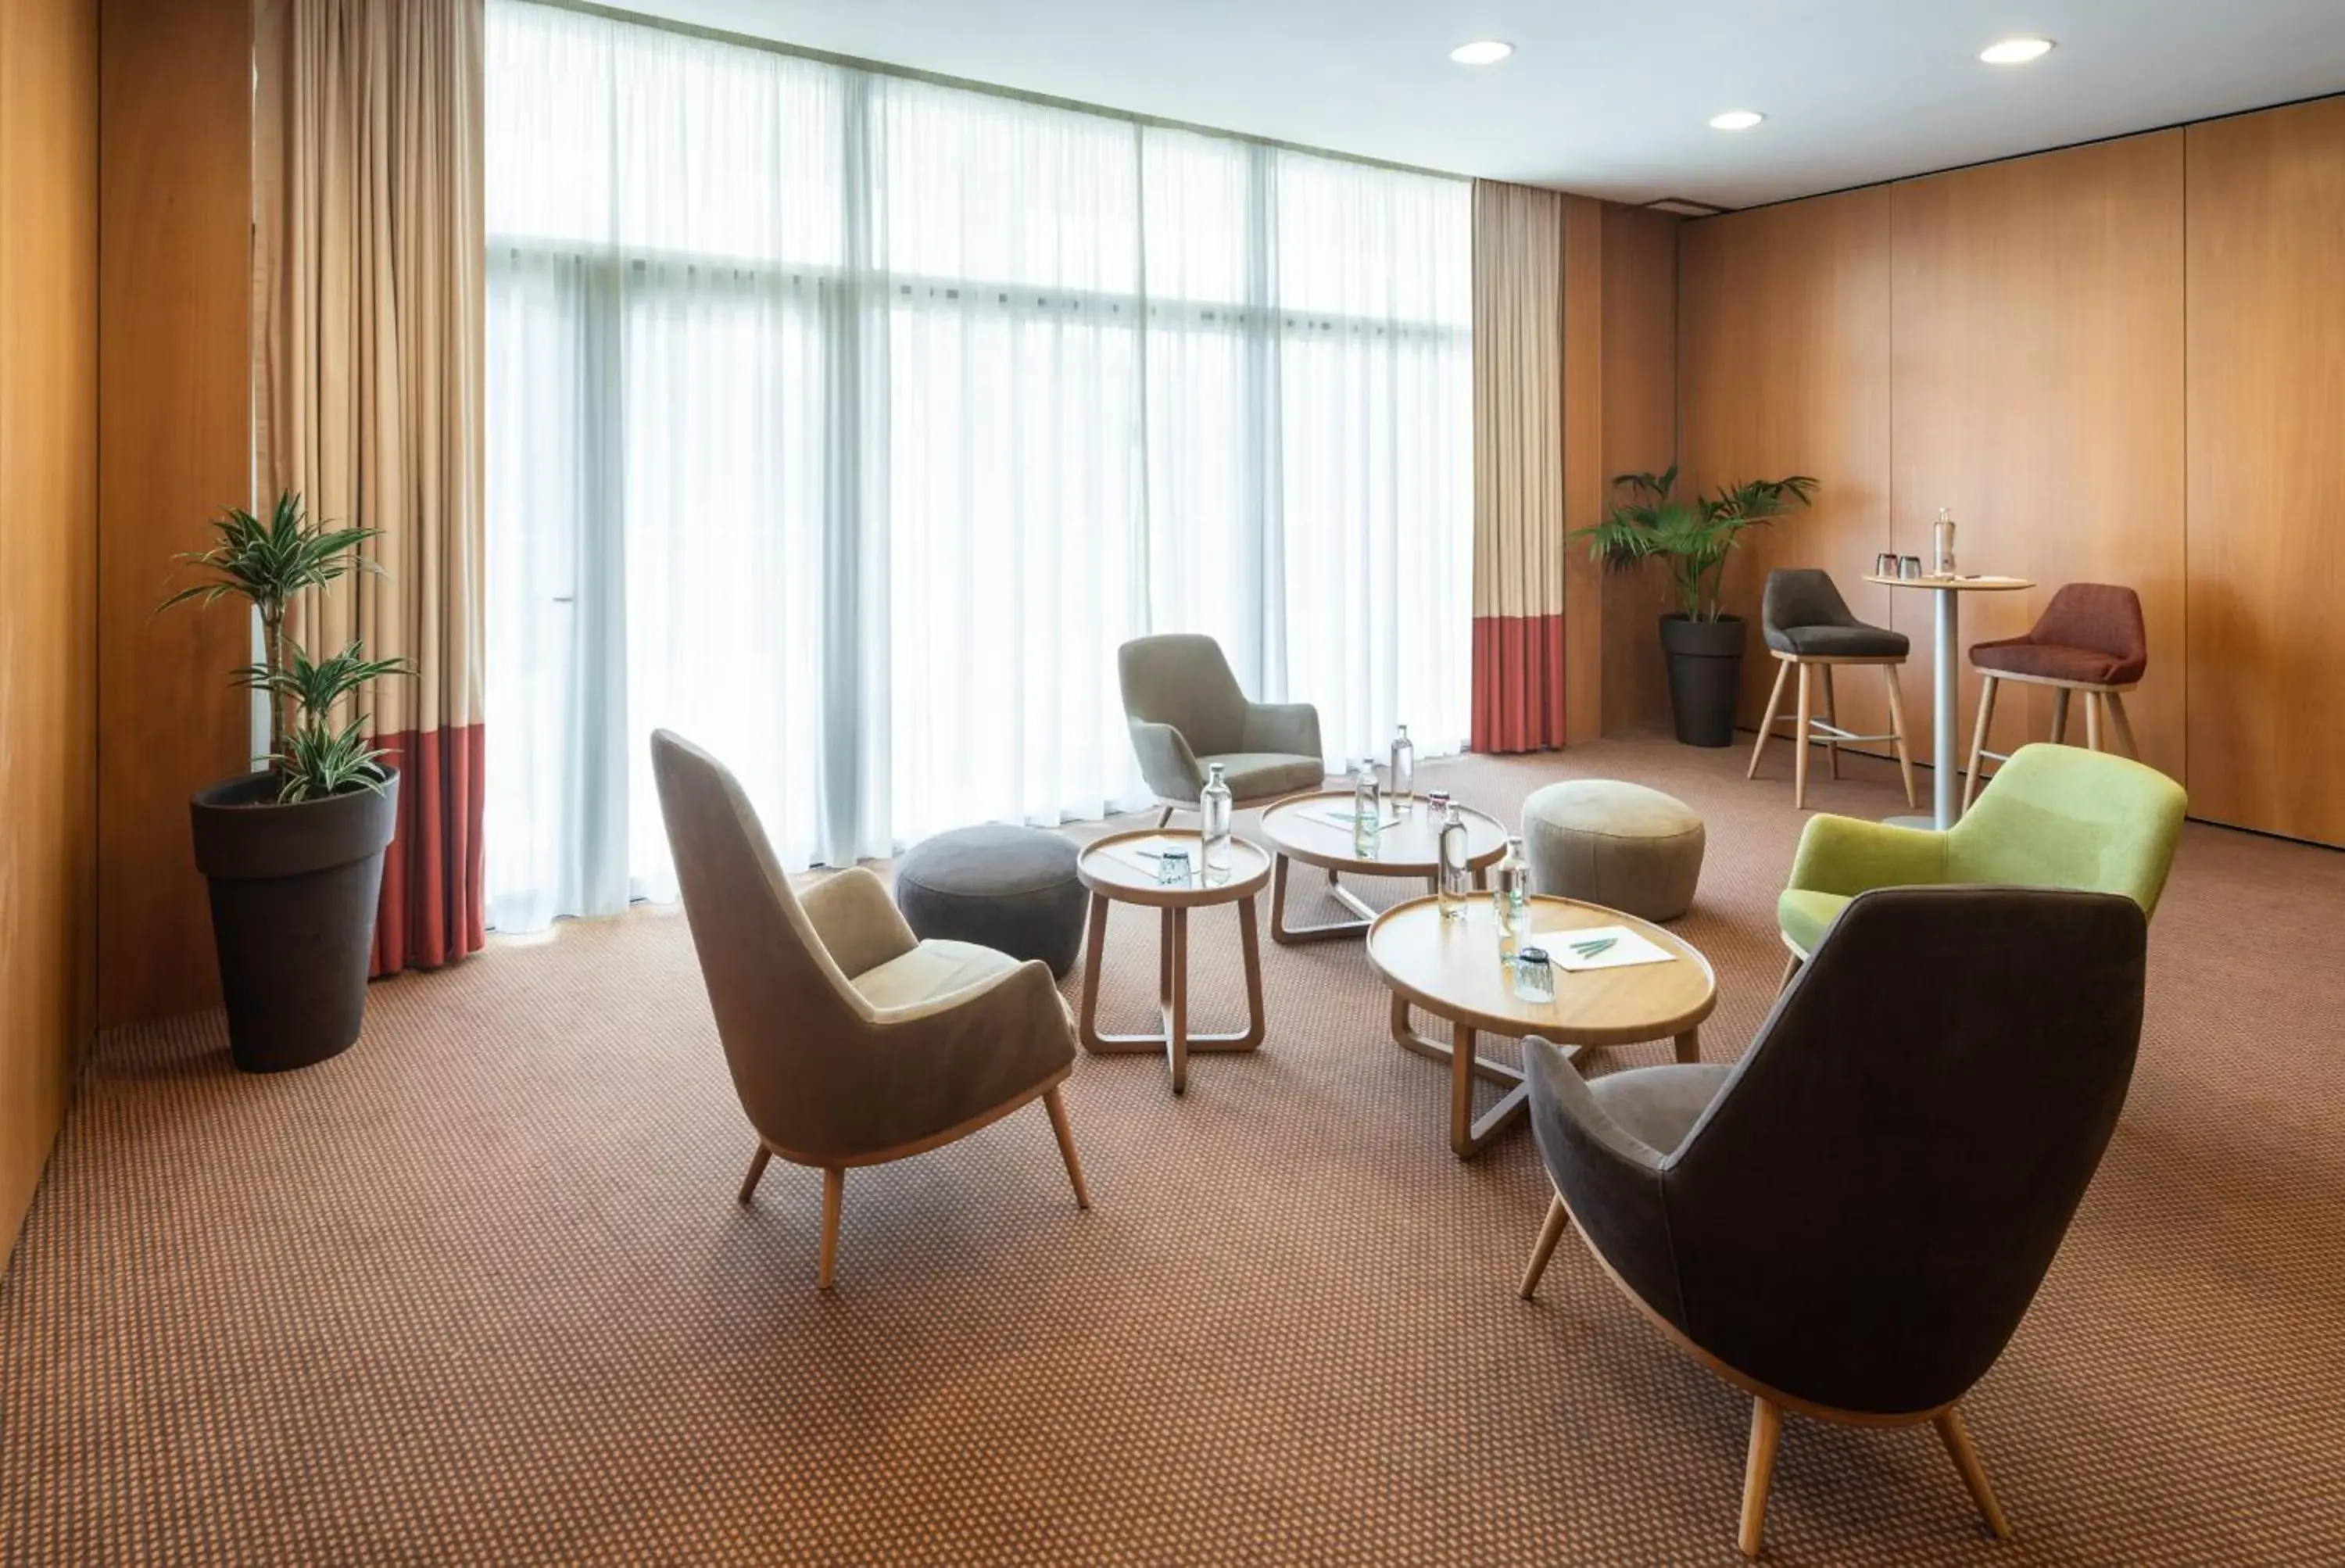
{"type": "Point", "coordinates": [478, 1292]}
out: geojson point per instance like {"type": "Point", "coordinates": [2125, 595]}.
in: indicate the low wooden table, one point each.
{"type": "Point", "coordinates": [1409, 848]}
{"type": "Point", "coordinates": [1451, 969]}
{"type": "Point", "coordinates": [1112, 878]}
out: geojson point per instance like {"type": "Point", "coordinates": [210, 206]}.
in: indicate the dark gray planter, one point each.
{"type": "Point", "coordinates": [1705, 660]}
{"type": "Point", "coordinates": [293, 890]}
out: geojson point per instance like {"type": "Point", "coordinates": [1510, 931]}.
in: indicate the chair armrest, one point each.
{"type": "Point", "coordinates": [938, 1063]}
{"type": "Point", "coordinates": [1292, 728]}
{"type": "Point", "coordinates": [1612, 1180]}
{"type": "Point", "coordinates": [1166, 761]}
{"type": "Point", "coordinates": [859, 924]}
{"type": "Point", "coordinates": [1846, 856]}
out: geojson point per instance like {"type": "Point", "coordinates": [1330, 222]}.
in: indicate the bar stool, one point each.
{"type": "Point", "coordinates": [1809, 628]}
{"type": "Point", "coordinates": [2090, 638]}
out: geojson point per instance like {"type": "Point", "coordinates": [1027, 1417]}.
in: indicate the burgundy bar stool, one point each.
{"type": "Point", "coordinates": [2091, 639]}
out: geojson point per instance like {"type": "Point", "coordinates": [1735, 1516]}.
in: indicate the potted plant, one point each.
{"type": "Point", "coordinates": [294, 851]}
{"type": "Point", "coordinates": [1693, 536]}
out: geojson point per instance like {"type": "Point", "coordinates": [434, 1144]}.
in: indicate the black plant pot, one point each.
{"type": "Point", "coordinates": [293, 904]}
{"type": "Point", "coordinates": [1705, 659]}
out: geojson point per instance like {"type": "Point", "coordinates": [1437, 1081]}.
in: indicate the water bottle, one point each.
{"type": "Point", "coordinates": [1404, 769]}
{"type": "Point", "coordinates": [1367, 814]}
{"type": "Point", "coordinates": [1456, 882]}
{"type": "Point", "coordinates": [1214, 808]}
{"type": "Point", "coordinates": [1510, 893]}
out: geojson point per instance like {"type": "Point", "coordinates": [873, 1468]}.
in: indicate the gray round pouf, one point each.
{"type": "Point", "coordinates": [1014, 890]}
{"type": "Point", "coordinates": [1622, 846]}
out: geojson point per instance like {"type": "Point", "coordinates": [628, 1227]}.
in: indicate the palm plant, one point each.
{"type": "Point", "coordinates": [1692, 535]}
{"type": "Point", "coordinates": [268, 565]}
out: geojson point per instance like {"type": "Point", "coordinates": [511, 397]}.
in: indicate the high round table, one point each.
{"type": "Point", "coordinates": [1451, 969]}
{"type": "Point", "coordinates": [1945, 707]}
{"type": "Point", "coordinates": [1112, 878]}
{"type": "Point", "coordinates": [1298, 830]}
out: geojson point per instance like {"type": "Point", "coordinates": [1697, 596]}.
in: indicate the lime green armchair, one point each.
{"type": "Point", "coordinates": [2054, 817]}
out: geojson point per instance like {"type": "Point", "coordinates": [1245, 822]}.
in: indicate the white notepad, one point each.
{"type": "Point", "coordinates": [1627, 948]}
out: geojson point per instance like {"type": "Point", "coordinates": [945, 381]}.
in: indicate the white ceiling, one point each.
{"type": "Point", "coordinates": [1610, 98]}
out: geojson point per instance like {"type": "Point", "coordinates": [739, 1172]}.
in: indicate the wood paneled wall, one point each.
{"type": "Point", "coordinates": [2266, 556]}
{"type": "Point", "coordinates": [2009, 341]}
{"type": "Point", "coordinates": [175, 287]}
{"type": "Point", "coordinates": [48, 542]}
{"type": "Point", "coordinates": [1639, 394]}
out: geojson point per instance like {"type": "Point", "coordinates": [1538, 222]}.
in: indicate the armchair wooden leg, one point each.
{"type": "Point", "coordinates": [1978, 738]}
{"type": "Point", "coordinates": [1557, 1221]}
{"type": "Point", "coordinates": [757, 1171]}
{"type": "Point", "coordinates": [1804, 739]}
{"type": "Point", "coordinates": [1898, 734]}
{"type": "Point", "coordinates": [1766, 1426]}
{"type": "Point", "coordinates": [1767, 725]}
{"type": "Point", "coordinates": [834, 1189]}
{"type": "Point", "coordinates": [2123, 725]}
{"type": "Point", "coordinates": [1957, 1439]}
{"type": "Point", "coordinates": [1058, 1110]}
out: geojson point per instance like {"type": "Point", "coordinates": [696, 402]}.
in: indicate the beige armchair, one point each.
{"type": "Point", "coordinates": [1187, 712]}
{"type": "Point", "coordinates": [851, 1042]}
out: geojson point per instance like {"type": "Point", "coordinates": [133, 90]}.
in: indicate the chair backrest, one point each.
{"type": "Point", "coordinates": [1863, 1215]}
{"type": "Point", "coordinates": [2062, 816]}
{"type": "Point", "coordinates": [2103, 616]}
{"type": "Point", "coordinates": [781, 1004]}
{"type": "Point", "coordinates": [1802, 596]}
{"type": "Point", "coordinates": [1180, 679]}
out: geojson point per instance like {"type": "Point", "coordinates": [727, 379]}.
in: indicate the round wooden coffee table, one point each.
{"type": "Point", "coordinates": [1451, 969]}
{"type": "Point", "coordinates": [1114, 877]}
{"type": "Point", "coordinates": [1298, 828]}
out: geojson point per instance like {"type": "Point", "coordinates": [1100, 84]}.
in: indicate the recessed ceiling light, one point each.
{"type": "Point", "coordinates": [2015, 51]}
{"type": "Point", "coordinates": [1736, 120]}
{"type": "Point", "coordinates": [1481, 52]}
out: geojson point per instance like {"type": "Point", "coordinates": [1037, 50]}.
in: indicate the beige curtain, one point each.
{"type": "Point", "coordinates": [1519, 520]}
{"type": "Point", "coordinates": [371, 276]}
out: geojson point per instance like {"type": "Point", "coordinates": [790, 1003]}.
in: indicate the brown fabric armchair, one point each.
{"type": "Point", "coordinates": [1851, 1220]}
{"type": "Point", "coordinates": [850, 1041]}
{"type": "Point", "coordinates": [1186, 712]}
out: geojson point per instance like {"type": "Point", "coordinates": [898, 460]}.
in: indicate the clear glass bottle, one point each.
{"type": "Point", "coordinates": [1402, 781]}
{"type": "Point", "coordinates": [1455, 883]}
{"type": "Point", "coordinates": [1510, 892]}
{"type": "Point", "coordinates": [1367, 813]}
{"type": "Point", "coordinates": [1215, 807]}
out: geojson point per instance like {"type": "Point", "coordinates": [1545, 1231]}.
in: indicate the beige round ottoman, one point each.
{"type": "Point", "coordinates": [1619, 845]}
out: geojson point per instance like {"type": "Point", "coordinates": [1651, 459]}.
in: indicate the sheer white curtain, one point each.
{"type": "Point", "coordinates": [848, 423]}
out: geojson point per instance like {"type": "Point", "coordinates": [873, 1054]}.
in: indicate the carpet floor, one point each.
{"type": "Point", "coordinates": [477, 1291]}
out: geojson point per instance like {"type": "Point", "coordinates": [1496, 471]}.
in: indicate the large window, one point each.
{"type": "Point", "coordinates": [847, 423]}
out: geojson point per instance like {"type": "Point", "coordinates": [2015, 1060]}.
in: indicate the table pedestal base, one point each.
{"type": "Point", "coordinates": [1469, 1135]}
{"type": "Point", "coordinates": [1174, 1038]}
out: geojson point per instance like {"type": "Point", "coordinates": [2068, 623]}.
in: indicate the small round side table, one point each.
{"type": "Point", "coordinates": [1113, 878]}
{"type": "Point", "coordinates": [1299, 827]}
{"type": "Point", "coordinates": [1451, 969]}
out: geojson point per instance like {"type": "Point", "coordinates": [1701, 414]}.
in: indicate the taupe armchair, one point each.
{"type": "Point", "coordinates": [851, 1042]}
{"type": "Point", "coordinates": [1851, 1220]}
{"type": "Point", "coordinates": [1186, 712]}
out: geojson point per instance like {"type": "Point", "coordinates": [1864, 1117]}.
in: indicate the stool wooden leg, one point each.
{"type": "Point", "coordinates": [1898, 734]}
{"type": "Point", "coordinates": [1802, 740]}
{"type": "Point", "coordinates": [2123, 725]}
{"type": "Point", "coordinates": [2059, 716]}
{"type": "Point", "coordinates": [1767, 725]}
{"type": "Point", "coordinates": [1831, 717]}
{"type": "Point", "coordinates": [1978, 738]}
{"type": "Point", "coordinates": [2092, 721]}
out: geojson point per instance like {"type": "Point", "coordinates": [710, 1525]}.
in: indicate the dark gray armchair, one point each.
{"type": "Point", "coordinates": [1186, 712]}
{"type": "Point", "coordinates": [1851, 1221]}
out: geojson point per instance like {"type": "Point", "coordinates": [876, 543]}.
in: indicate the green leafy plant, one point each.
{"type": "Point", "coordinates": [1692, 535]}
{"type": "Point", "coordinates": [268, 565]}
